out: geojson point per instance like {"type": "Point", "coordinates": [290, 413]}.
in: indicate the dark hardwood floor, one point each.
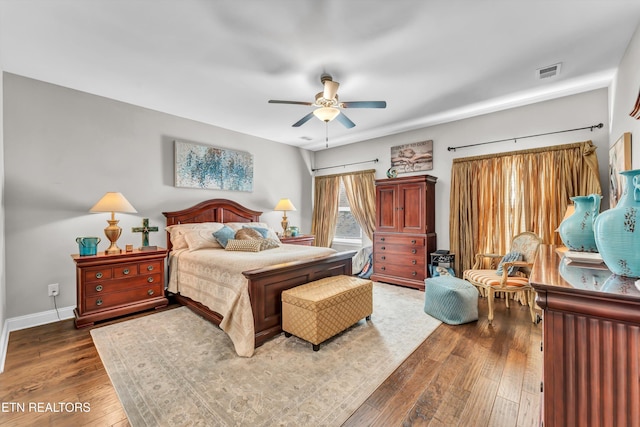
{"type": "Point", "coordinates": [469, 375]}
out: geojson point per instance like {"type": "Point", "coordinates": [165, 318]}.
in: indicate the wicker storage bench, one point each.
{"type": "Point", "coordinates": [318, 310]}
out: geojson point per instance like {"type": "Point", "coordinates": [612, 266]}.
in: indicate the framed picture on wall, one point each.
{"type": "Point", "coordinates": [414, 157]}
{"type": "Point", "coordinates": [213, 168]}
{"type": "Point", "coordinates": [619, 160]}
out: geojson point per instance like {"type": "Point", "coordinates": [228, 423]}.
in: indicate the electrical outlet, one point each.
{"type": "Point", "coordinates": [53, 290]}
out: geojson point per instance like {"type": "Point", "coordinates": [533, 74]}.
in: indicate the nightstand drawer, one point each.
{"type": "Point", "coordinates": [117, 285]}
{"type": "Point", "coordinates": [96, 274]}
{"type": "Point", "coordinates": [148, 267]}
{"type": "Point", "coordinates": [101, 302]}
{"type": "Point", "coordinates": [127, 270]}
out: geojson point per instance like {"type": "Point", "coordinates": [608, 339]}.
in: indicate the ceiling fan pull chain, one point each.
{"type": "Point", "coordinates": [326, 138]}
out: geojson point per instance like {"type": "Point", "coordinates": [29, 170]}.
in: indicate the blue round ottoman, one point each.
{"type": "Point", "coordinates": [451, 300]}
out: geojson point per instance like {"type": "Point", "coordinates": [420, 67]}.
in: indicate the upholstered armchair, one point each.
{"type": "Point", "coordinates": [512, 274]}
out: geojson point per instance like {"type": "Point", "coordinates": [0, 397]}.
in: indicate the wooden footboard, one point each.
{"type": "Point", "coordinates": [266, 286]}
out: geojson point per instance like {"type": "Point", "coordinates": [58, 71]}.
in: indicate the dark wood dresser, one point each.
{"type": "Point", "coordinates": [591, 343]}
{"type": "Point", "coordinates": [108, 286]}
{"type": "Point", "coordinates": [405, 230]}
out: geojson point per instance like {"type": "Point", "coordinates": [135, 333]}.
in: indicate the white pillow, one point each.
{"type": "Point", "coordinates": [201, 239]}
{"type": "Point", "coordinates": [176, 232]}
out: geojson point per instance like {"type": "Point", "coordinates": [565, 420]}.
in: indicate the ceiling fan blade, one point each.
{"type": "Point", "coordinates": [346, 121]}
{"type": "Point", "coordinates": [303, 120]}
{"type": "Point", "coordinates": [277, 101]}
{"type": "Point", "coordinates": [364, 104]}
{"type": "Point", "coordinates": [330, 89]}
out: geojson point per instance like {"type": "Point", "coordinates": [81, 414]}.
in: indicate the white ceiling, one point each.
{"type": "Point", "coordinates": [219, 62]}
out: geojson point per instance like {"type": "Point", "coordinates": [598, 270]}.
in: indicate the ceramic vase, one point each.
{"type": "Point", "coordinates": [617, 230]}
{"type": "Point", "coordinates": [576, 231]}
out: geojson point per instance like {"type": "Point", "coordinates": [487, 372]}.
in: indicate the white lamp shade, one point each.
{"type": "Point", "coordinates": [326, 114]}
{"type": "Point", "coordinates": [284, 205]}
{"type": "Point", "coordinates": [113, 202]}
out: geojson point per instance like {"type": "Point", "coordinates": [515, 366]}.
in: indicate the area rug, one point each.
{"type": "Point", "coordinates": [174, 368]}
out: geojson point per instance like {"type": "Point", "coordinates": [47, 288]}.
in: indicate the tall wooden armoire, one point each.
{"type": "Point", "coordinates": [405, 230]}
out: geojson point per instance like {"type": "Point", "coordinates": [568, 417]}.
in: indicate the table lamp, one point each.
{"type": "Point", "coordinates": [113, 202]}
{"type": "Point", "coordinates": [284, 205]}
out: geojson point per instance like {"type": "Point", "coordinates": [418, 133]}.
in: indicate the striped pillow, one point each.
{"type": "Point", "coordinates": [511, 256]}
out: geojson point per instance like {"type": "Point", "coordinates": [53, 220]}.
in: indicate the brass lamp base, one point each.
{"type": "Point", "coordinates": [285, 225]}
{"type": "Point", "coordinates": [113, 233]}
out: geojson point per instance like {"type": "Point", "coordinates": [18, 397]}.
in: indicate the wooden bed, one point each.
{"type": "Point", "coordinates": [265, 284]}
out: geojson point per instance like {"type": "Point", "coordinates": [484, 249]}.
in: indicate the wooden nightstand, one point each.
{"type": "Point", "coordinates": [301, 239]}
{"type": "Point", "coordinates": [108, 286]}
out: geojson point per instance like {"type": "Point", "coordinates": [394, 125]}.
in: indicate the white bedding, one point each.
{"type": "Point", "coordinates": [214, 278]}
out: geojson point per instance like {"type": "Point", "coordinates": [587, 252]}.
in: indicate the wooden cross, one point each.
{"type": "Point", "coordinates": [145, 229]}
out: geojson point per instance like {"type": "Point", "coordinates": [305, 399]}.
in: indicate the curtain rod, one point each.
{"type": "Point", "coordinates": [599, 126]}
{"type": "Point", "coordinates": [346, 164]}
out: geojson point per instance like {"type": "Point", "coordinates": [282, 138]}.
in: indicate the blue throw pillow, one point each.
{"type": "Point", "coordinates": [261, 230]}
{"type": "Point", "coordinates": [223, 235]}
{"type": "Point", "coordinates": [511, 256]}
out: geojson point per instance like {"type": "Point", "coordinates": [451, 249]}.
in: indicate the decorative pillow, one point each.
{"type": "Point", "coordinates": [271, 234]}
{"type": "Point", "coordinates": [223, 235]}
{"type": "Point", "coordinates": [268, 244]}
{"type": "Point", "coordinates": [262, 230]}
{"type": "Point", "coordinates": [243, 245]}
{"type": "Point", "coordinates": [248, 234]}
{"type": "Point", "coordinates": [176, 232]}
{"type": "Point", "coordinates": [511, 256]}
{"type": "Point", "coordinates": [200, 239]}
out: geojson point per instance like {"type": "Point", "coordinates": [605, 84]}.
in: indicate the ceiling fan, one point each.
{"type": "Point", "coordinates": [329, 106]}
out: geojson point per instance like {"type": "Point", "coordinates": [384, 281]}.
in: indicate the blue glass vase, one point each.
{"type": "Point", "coordinates": [617, 230]}
{"type": "Point", "coordinates": [576, 231]}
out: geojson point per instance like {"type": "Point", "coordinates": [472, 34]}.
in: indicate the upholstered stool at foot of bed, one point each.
{"type": "Point", "coordinates": [318, 310]}
{"type": "Point", "coordinates": [452, 300]}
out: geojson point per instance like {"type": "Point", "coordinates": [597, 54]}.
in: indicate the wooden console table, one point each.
{"type": "Point", "coordinates": [591, 344]}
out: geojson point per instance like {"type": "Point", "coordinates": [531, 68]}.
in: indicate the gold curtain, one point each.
{"type": "Point", "coordinates": [360, 188]}
{"type": "Point", "coordinates": [495, 197]}
{"type": "Point", "coordinates": [325, 209]}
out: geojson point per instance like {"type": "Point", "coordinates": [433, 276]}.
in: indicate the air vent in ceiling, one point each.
{"type": "Point", "coordinates": [548, 71]}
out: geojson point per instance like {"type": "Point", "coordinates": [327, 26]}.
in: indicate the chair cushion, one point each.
{"type": "Point", "coordinates": [451, 300]}
{"type": "Point", "coordinates": [489, 278]}
{"type": "Point", "coordinates": [511, 256]}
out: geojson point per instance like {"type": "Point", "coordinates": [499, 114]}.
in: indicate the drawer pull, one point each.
{"type": "Point", "coordinates": [150, 292]}
{"type": "Point", "coordinates": [150, 279]}
{"type": "Point", "coordinates": [383, 268]}
{"type": "Point", "coordinates": [99, 288]}
{"type": "Point", "coordinates": [413, 261]}
{"type": "Point", "coordinates": [150, 268]}
{"type": "Point", "coordinates": [413, 251]}
{"type": "Point", "coordinates": [382, 248]}
{"type": "Point", "coordinates": [413, 242]}
{"type": "Point", "coordinates": [414, 273]}
{"type": "Point", "coordinates": [382, 239]}
{"type": "Point", "coordinates": [99, 275]}
{"type": "Point", "coordinates": [99, 302]}
{"type": "Point", "coordinates": [383, 257]}
{"type": "Point", "coordinates": [125, 271]}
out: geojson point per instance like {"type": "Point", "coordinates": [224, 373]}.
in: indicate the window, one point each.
{"type": "Point", "coordinates": [347, 228]}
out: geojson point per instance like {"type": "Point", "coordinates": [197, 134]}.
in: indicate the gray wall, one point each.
{"type": "Point", "coordinates": [623, 98]}
{"type": "Point", "coordinates": [570, 112]}
{"type": "Point", "coordinates": [64, 149]}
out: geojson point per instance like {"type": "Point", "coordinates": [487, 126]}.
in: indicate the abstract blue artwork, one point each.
{"type": "Point", "coordinates": [212, 168]}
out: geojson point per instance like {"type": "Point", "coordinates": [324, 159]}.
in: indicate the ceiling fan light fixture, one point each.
{"type": "Point", "coordinates": [326, 114]}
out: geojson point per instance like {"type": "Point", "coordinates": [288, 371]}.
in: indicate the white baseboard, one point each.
{"type": "Point", "coordinates": [29, 321]}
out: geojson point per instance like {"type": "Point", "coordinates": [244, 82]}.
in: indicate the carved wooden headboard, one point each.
{"type": "Point", "coordinates": [214, 210]}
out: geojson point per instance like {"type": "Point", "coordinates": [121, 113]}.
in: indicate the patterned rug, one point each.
{"type": "Point", "coordinates": [174, 368]}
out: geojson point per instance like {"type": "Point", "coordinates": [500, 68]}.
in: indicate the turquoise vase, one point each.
{"type": "Point", "coordinates": [617, 230]}
{"type": "Point", "coordinates": [576, 231]}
